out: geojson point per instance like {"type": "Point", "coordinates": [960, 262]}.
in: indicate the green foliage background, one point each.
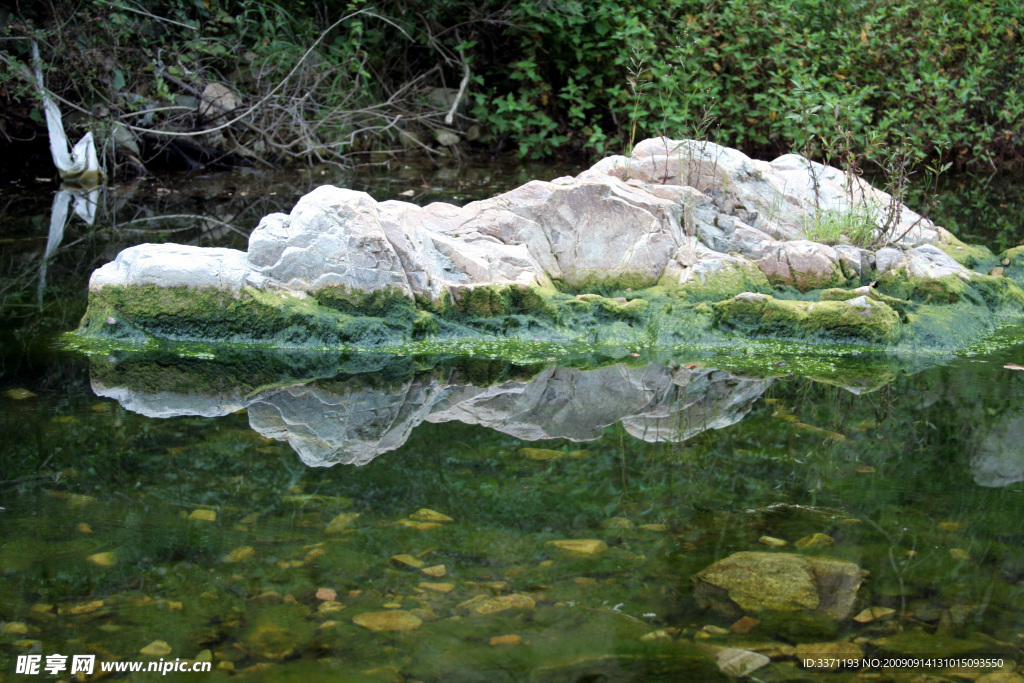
{"type": "Point", "coordinates": [583, 78]}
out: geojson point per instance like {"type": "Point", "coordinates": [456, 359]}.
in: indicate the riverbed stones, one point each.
{"type": "Point", "coordinates": [752, 582]}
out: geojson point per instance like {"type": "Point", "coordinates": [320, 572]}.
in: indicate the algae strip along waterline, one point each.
{"type": "Point", "coordinates": [683, 244]}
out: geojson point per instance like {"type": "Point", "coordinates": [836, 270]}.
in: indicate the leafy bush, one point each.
{"type": "Point", "coordinates": [546, 78]}
{"type": "Point", "coordinates": [942, 72]}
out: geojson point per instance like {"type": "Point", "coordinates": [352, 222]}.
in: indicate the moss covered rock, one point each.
{"type": "Point", "coordinates": [858, 319]}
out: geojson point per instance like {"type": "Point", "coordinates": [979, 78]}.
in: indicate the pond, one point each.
{"type": "Point", "coordinates": [559, 515]}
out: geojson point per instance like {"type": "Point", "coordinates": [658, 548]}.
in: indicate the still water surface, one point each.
{"type": "Point", "coordinates": [328, 516]}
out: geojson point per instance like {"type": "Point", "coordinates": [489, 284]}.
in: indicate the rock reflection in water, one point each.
{"type": "Point", "coordinates": [352, 422]}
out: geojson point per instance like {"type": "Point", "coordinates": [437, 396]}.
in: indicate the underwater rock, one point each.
{"type": "Point", "coordinates": [783, 582]}
{"type": "Point", "coordinates": [277, 632]}
{"type": "Point", "coordinates": [998, 460]}
{"type": "Point", "coordinates": [677, 224]}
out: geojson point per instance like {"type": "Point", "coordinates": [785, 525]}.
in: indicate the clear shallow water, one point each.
{"type": "Point", "coordinates": [185, 500]}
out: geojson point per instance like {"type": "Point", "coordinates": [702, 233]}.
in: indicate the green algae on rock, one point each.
{"type": "Point", "coordinates": [683, 244]}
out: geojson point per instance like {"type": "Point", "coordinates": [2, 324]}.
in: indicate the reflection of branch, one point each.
{"type": "Point", "coordinates": [181, 216]}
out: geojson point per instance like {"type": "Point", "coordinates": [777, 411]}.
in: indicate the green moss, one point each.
{"type": "Point", "coordinates": [604, 284]}
{"type": "Point", "coordinates": [382, 303]}
{"type": "Point", "coordinates": [969, 255]}
{"type": "Point", "coordinates": [724, 283]}
{"type": "Point", "coordinates": [1013, 262]}
{"type": "Point", "coordinates": [146, 313]}
{"type": "Point", "coordinates": [945, 290]}
{"type": "Point", "coordinates": [489, 301]}
{"type": "Point", "coordinates": [944, 314]}
{"type": "Point", "coordinates": [631, 310]}
{"type": "Point", "coordinates": [838, 294]}
{"type": "Point", "coordinates": [424, 323]}
{"type": "Point", "coordinates": [997, 294]}
{"type": "Point", "coordinates": [826, 320]}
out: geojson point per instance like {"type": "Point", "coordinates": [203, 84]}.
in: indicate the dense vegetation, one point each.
{"type": "Point", "coordinates": [318, 81]}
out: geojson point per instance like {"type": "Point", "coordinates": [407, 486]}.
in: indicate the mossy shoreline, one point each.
{"type": "Point", "coordinates": [729, 308]}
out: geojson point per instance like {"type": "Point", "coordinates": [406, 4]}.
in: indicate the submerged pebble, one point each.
{"type": "Point", "coordinates": [394, 620]}
{"type": "Point", "coordinates": [158, 648]}
{"type": "Point", "coordinates": [342, 522]}
{"type": "Point", "coordinates": [241, 554]}
{"type": "Point", "coordinates": [510, 639]}
{"type": "Point", "coordinates": [406, 560]}
{"type": "Point", "coordinates": [203, 515]}
{"type": "Point", "coordinates": [106, 559]}
{"type": "Point", "coordinates": [874, 614]}
{"type": "Point", "coordinates": [587, 546]}
{"type": "Point", "coordinates": [772, 541]}
{"type": "Point", "coordinates": [815, 541]}
{"type": "Point", "coordinates": [427, 515]}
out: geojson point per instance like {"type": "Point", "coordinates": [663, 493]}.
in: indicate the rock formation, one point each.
{"type": "Point", "coordinates": [702, 222]}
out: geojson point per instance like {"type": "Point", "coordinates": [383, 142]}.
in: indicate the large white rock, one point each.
{"type": "Point", "coordinates": [679, 209]}
{"type": "Point", "coordinates": [174, 265]}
